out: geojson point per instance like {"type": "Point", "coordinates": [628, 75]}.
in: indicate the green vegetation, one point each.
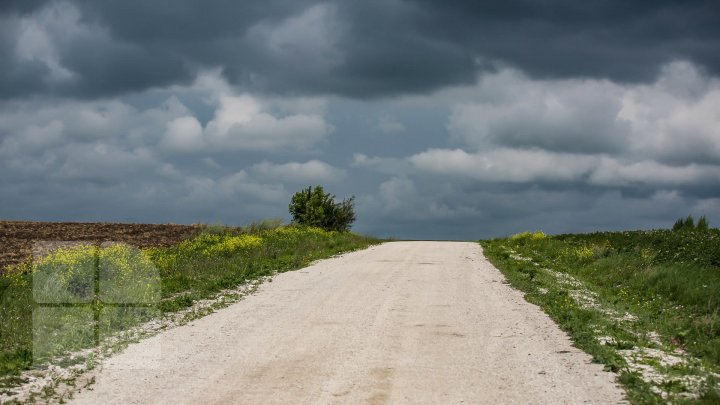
{"type": "Point", "coordinates": [314, 207]}
{"type": "Point", "coordinates": [118, 286]}
{"type": "Point", "coordinates": [646, 303]}
{"type": "Point", "coordinates": [688, 224]}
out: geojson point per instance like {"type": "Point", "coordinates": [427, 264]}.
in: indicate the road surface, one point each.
{"type": "Point", "coordinates": [402, 322]}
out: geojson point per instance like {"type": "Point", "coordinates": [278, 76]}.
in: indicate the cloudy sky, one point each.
{"type": "Point", "coordinates": [446, 119]}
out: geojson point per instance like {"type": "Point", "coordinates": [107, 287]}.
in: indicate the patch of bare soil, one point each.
{"type": "Point", "coordinates": [17, 237]}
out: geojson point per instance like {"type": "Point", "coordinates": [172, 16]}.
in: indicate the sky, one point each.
{"type": "Point", "coordinates": [445, 119]}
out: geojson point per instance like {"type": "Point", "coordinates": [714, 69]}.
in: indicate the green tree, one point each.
{"type": "Point", "coordinates": [702, 224]}
{"type": "Point", "coordinates": [313, 207]}
{"type": "Point", "coordinates": [689, 223]}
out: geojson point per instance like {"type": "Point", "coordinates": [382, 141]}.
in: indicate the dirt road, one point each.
{"type": "Point", "coordinates": [403, 322]}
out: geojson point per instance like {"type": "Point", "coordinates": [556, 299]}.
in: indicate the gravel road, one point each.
{"type": "Point", "coordinates": [402, 322]}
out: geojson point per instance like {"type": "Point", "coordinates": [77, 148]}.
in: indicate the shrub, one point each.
{"type": "Point", "coordinates": [313, 207]}
{"type": "Point", "coordinates": [538, 235]}
{"type": "Point", "coordinates": [583, 252]}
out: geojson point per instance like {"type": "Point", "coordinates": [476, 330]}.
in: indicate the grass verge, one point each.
{"type": "Point", "coordinates": [73, 299]}
{"type": "Point", "coordinates": [646, 304]}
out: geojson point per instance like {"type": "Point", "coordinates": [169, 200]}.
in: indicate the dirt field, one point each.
{"type": "Point", "coordinates": [17, 237]}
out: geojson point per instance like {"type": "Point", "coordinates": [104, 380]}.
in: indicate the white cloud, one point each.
{"type": "Point", "coordinates": [235, 192]}
{"type": "Point", "coordinates": [246, 122]}
{"type": "Point", "coordinates": [241, 124]}
{"type": "Point", "coordinates": [673, 120]}
{"type": "Point", "coordinates": [612, 172]}
{"type": "Point", "coordinates": [313, 171]}
{"type": "Point", "coordinates": [41, 136]}
{"type": "Point", "coordinates": [242, 185]}
{"type": "Point", "coordinates": [389, 125]}
{"type": "Point", "coordinates": [505, 165]}
{"type": "Point", "coordinates": [48, 123]}
{"type": "Point", "coordinates": [562, 116]}
{"type": "Point", "coordinates": [106, 119]}
{"type": "Point", "coordinates": [105, 162]}
{"type": "Point", "coordinates": [514, 129]}
{"type": "Point", "coordinates": [404, 200]}
{"type": "Point", "coordinates": [307, 40]}
{"type": "Point", "coordinates": [297, 105]}
{"type": "Point", "coordinates": [527, 166]}
{"type": "Point", "coordinates": [361, 159]}
{"type": "Point", "coordinates": [38, 34]}
{"type": "Point", "coordinates": [183, 134]}
{"type": "Point", "coordinates": [709, 207]}
{"type": "Point", "coordinates": [392, 166]}
{"type": "Point", "coordinates": [396, 193]}
{"type": "Point", "coordinates": [682, 79]}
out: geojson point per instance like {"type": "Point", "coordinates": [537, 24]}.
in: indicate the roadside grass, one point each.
{"type": "Point", "coordinates": [646, 304]}
{"type": "Point", "coordinates": [117, 286]}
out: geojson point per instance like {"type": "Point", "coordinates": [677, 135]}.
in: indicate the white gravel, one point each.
{"type": "Point", "coordinates": [402, 322]}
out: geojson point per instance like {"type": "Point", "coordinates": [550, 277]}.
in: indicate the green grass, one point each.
{"type": "Point", "coordinates": [198, 268]}
{"type": "Point", "coordinates": [630, 299]}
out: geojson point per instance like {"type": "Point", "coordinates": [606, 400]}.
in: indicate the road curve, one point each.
{"type": "Point", "coordinates": [402, 322]}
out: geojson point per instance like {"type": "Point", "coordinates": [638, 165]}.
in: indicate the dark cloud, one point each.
{"type": "Point", "coordinates": [446, 119]}
{"type": "Point", "coordinates": [105, 68]}
{"type": "Point", "coordinates": [16, 77]}
{"type": "Point", "coordinates": [620, 40]}
{"type": "Point", "coordinates": [186, 24]}
{"type": "Point", "coordinates": [20, 6]}
{"type": "Point", "coordinates": [374, 48]}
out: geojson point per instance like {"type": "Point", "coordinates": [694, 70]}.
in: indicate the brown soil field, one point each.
{"type": "Point", "coordinates": [18, 237]}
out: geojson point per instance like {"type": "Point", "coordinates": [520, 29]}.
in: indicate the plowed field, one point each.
{"type": "Point", "coordinates": [17, 237]}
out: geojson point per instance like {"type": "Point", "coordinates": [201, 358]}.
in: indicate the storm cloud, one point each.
{"type": "Point", "coordinates": [357, 49]}
{"type": "Point", "coordinates": [450, 119]}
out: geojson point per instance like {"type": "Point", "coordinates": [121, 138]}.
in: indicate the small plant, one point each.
{"type": "Point", "coordinates": [583, 252]}
{"type": "Point", "coordinates": [538, 235]}
{"type": "Point", "coordinates": [313, 207]}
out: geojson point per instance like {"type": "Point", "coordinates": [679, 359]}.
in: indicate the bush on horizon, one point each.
{"type": "Point", "coordinates": [688, 224]}
{"type": "Point", "coordinates": [313, 207]}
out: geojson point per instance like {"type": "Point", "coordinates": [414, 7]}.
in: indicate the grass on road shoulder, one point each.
{"type": "Point", "coordinates": [646, 303]}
